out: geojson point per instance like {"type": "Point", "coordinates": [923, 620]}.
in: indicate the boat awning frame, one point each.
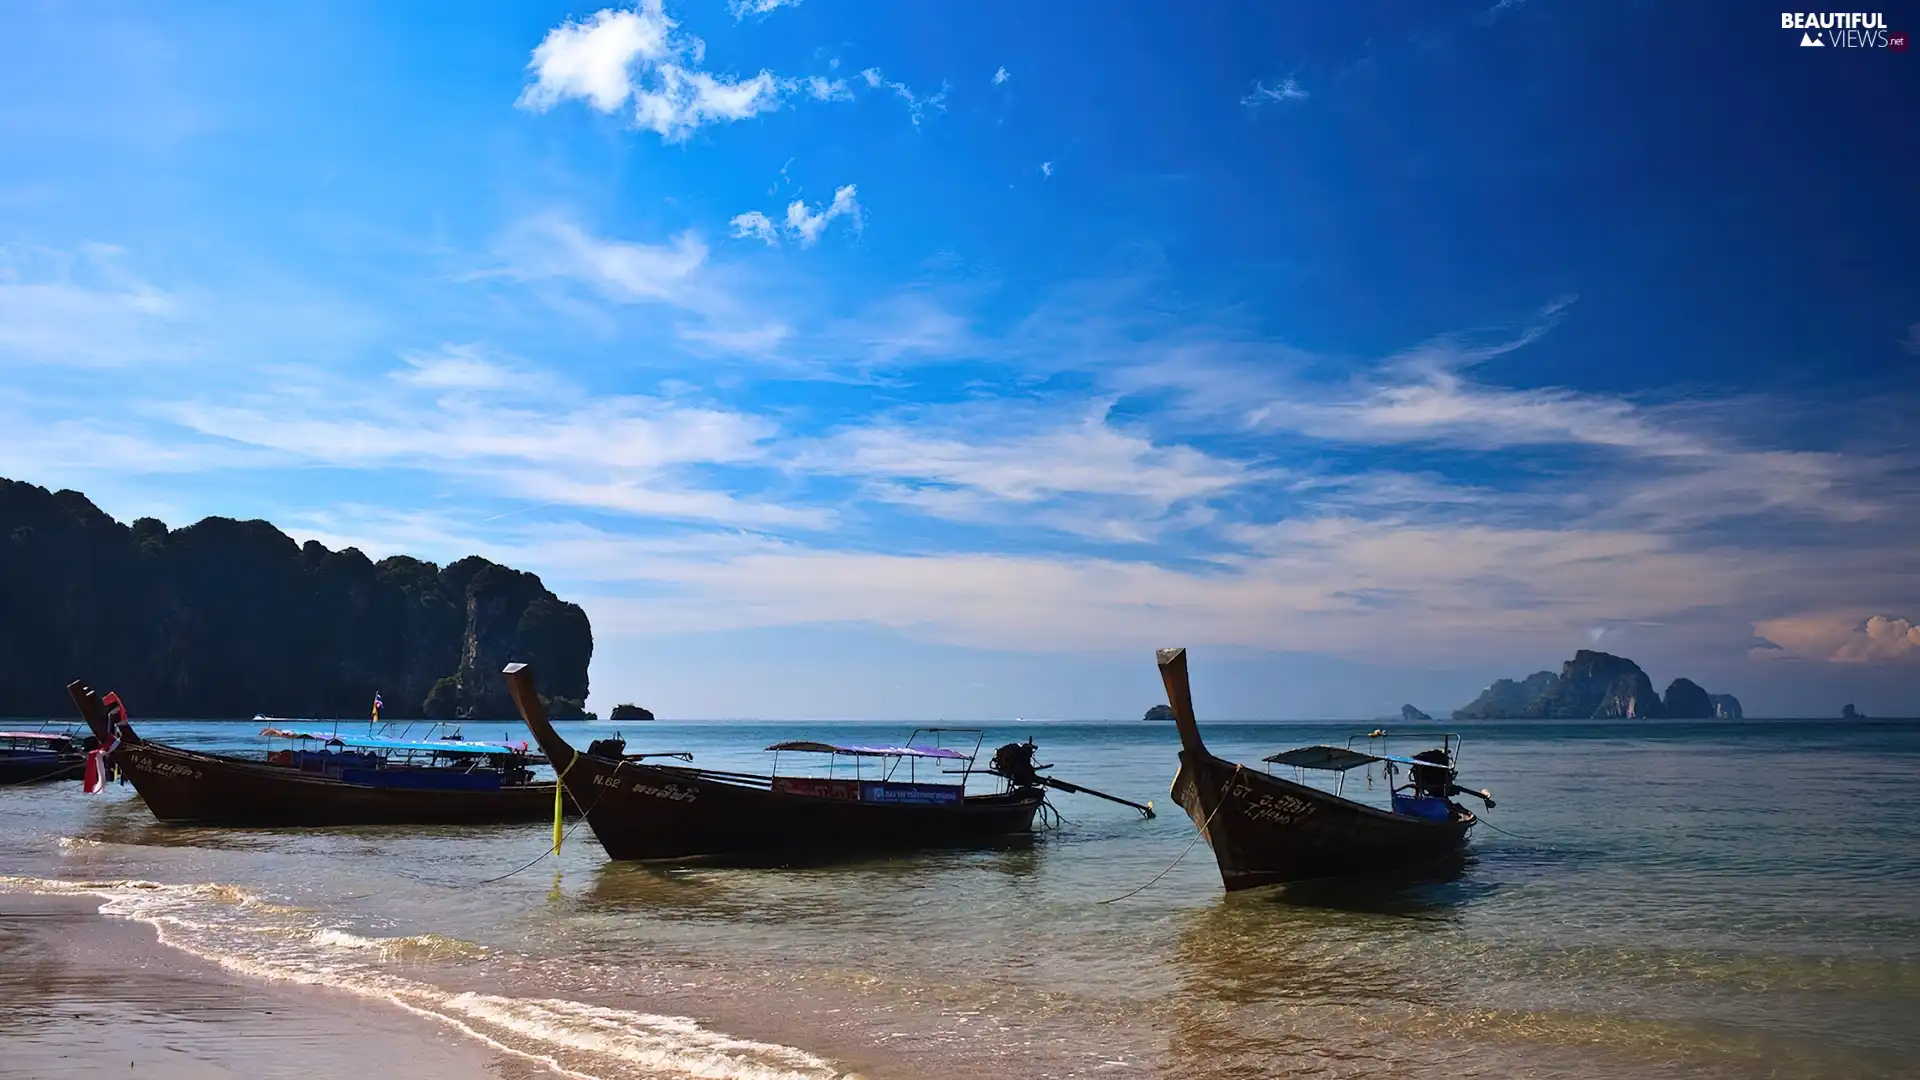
{"type": "Point", "coordinates": [369, 742]}
{"type": "Point", "coordinates": [809, 747]}
{"type": "Point", "coordinates": [1335, 758]}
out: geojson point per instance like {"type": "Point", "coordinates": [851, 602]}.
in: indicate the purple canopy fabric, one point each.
{"type": "Point", "coordinates": [872, 751]}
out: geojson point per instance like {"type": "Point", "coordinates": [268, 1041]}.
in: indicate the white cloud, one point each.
{"type": "Point", "coordinates": [828, 89]}
{"type": "Point", "coordinates": [636, 58]}
{"type": "Point", "coordinates": [683, 101]}
{"type": "Point", "coordinates": [1000, 76]}
{"type": "Point", "coordinates": [754, 225]}
{"type": "Point", "coordinates": [1046, 169]}
{"type": "Point", "coordinates": [803, 224]}
{"type": "Point", "coordinates": [1841, 638]}
{"type": "Point", "coordinates": [1262, 94]}
{"type": "Point", "coordinates": [594, 60]}
{"type": "Point", "coordinates": [741, 9]}
{"type": "Point", "coordinates": [806, 225]}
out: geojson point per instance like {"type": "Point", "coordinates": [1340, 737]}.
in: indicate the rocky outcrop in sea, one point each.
{"type": "Point", "coordinates": [1409, 713]}
{"type": "Point", "coordinates": [1594, 685]}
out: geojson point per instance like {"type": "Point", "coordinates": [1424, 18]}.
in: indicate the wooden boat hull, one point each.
{"type": "Point", "coordinates": [40, 768]}
{"type": "Point", "coordinates": [1266, 830]}
{"type": "Point", "coordinates": [188, 787]}
{"type": "Point", "coordinates": [653, 812]}
{"type": "Point", "coordinates": [646, 812]}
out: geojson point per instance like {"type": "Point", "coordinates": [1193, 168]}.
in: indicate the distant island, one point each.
{"type": "Point", "coordinates": [1159, 712]}
{"type": "Point", "coordinates": [1409, 713]}
{"type": "Point", "coordinates": [1596, 685]}
{"type": "Point", "coordinates": [230, 618]}
{"type": "Point", "coordinates": [628, 711]}
{"type": "Point", "coordinates": [1848, 712]}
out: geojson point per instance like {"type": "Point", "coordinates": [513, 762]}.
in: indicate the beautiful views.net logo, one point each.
{"type": "Point", "coordinates": [1844, 30]}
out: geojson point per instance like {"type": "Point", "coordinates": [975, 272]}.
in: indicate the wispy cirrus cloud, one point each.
{"type": "Point", "coordinates": [1000, 77]}
{"type": "Point", "coordinates": [744, 9]}
{"type": "Point", "coordinates": [982, 463]}
{"type": "Point", "coordinates": [550, 247]}
{"type": "Point", "coordinates": [919, 103]}
{"type": "Point", "coordinates": [1287, 89]}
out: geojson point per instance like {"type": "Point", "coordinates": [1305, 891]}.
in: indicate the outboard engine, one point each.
{"type": "Point", "coordinates": [614, 748]}
{"type": "Point", "coordinates": [1435, 778]}
{"type": "Point", "coordinates": [1015, 762]}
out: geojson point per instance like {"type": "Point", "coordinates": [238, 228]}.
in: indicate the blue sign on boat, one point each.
{"type": "Point", "coordinates": [880, 791]}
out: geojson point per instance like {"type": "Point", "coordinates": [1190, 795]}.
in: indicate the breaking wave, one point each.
{"type": "Point", "coordinates": [247, 935]}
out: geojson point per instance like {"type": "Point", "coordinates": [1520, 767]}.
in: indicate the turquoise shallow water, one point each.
{"type": "Point", "coordinates": [1708, 899]}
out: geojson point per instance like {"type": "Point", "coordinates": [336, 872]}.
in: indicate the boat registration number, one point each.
{"type": "Point", "coordinates": [1275, 809]}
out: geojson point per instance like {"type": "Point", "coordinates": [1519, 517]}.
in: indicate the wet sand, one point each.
{"type": "Point", "coordinates": [82, 995]}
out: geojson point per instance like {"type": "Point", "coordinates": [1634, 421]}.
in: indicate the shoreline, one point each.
{"type": "Point", "coordinates": [89, 992]}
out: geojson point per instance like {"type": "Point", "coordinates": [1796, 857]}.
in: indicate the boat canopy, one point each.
{"type": "Point", "coordinates": [38, 736]}
{"type": "Point", "coordinates": [369, 742]}
{"type": "Point", "coordinates": [1335, 758]}
{"type": "Point", "coordinates": [872, 751]}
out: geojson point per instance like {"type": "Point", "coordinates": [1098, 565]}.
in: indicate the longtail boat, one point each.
{"type": "Point", "coordinates": [645, 811]}
{"type": "Point", "coordinates": [1266, 829]}
{"type": "Point", "coordinates": [320, 779]}
{"type": "Point", "coordinates": [38, 757]}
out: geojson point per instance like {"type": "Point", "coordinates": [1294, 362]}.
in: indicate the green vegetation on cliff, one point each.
{"type": "Point", "coordinates": [230, 618]}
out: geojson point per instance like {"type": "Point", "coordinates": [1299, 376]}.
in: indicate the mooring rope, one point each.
{"type": "Point", "coordinates": [1529, 839]}
{"type": "Point", "coordinates": [1197, 835]}
{"type": "Point", "coordinates": [558, 837]}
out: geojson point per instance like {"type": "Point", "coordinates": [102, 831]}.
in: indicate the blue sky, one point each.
{"type": "Point", "coordinates": [926, 359]}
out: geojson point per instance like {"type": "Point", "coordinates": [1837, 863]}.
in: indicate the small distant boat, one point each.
{"type": "Point", "coordinates": [1267, 830]}
{"type": "Point", "coordinates": [323, 779]}
{"type": "Point", "coordinates": [642, 811]}
{"type": "Point", "coordinates": [39, 757]}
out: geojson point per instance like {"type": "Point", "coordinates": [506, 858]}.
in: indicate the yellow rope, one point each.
{"type": "Point", "coordinates": [559, 798]}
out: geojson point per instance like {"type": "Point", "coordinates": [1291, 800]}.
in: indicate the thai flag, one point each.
{"type": "Point", "coordinates": [376, 701]}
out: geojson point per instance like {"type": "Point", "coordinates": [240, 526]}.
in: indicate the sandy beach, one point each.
{"type": "Point", "coordinates": [85, 995]}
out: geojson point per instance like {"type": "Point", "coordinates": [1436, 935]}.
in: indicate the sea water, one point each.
{"type": "Point", "coordinates": [1649, 899]}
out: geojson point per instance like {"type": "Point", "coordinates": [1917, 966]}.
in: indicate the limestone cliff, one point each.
{"type": "Point", "coordinates": [1686, 701]}
{"type": "Point", "coordinates": [230, 618]}
{"type": "Point", "coordinates": [1593, 685]}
